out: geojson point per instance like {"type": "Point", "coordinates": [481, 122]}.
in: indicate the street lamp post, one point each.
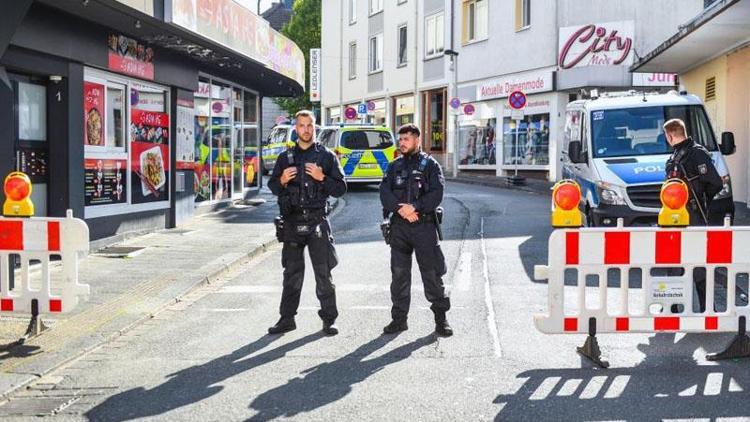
{"type": "Point", "coordinates": [454, 61]}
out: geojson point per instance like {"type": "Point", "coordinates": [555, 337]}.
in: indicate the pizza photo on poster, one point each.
{"type": "Point", "coordinates": [149, 159]}
{"type": "Point", "coordinates": [93, 100]}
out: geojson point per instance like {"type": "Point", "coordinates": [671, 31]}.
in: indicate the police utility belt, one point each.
{"type": "Point", "coordinates": [435, 218]}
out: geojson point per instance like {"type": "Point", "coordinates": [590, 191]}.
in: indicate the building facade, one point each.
{"type": "Point", "coordinates": [138, 114]}
{"type": "Point", "coordinates": [711, 55]}
{"type": "Point", "coordinates": [471, 54]}
{"type": "Point", "coordinates": [389, 55]}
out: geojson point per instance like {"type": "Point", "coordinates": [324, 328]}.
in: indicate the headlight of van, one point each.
{"type": "Point", "coordinates": [610, 194]}
{"type": "Point", "coordinates": [725, 192]}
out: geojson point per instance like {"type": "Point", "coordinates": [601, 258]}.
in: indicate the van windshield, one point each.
{"type": "Point", "coordinates": [638, 131]}
{"type": "Point", "coordinates": [366, 139]}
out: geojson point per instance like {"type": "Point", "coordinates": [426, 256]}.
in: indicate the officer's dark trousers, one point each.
{"type": "Point", "coordinates": [420, 238]}
{"type": "Point", "coordinates": [323, 257]}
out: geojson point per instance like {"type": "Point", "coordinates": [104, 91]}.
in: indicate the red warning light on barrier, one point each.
{"type": "Point", "coordinates": [17, 188]}
{"type": "Point", "coordinates": [674, 196]}
{"type": "Point", "coordinates": [566, 196]}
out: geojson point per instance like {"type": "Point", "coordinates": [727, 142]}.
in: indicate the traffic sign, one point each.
{"type": "Point", "coordinates": [455, 103]}
{"type": "Point", "coordinates": [469, 109]}
{"type": "Point", "coordinates": [362, 108]}
{"type": "Point", "coordinates": [517, 114]}
{"type": "Point", "coordinates": [350, 113]}
{"type": "Point", "coordinates": [370, 105]}
{"type": "Point", "coordinates": [517, 100]}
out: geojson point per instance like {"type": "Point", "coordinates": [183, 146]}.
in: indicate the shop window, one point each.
{"type": "Point", "coordinates": [352, 11]}
{"type": "Point", "coordinates": [475, 20]}
{"type": "Point", "coordinates": [115, 116]}
{"type": "Point", "coordinates": [526, 143]}
{"type": "Point", "coordinates": [32, 112]}
{"type": "Point", "coordinates": [434, 35]}
{"type": "Point", "coordinates": [251, 108]}
{"type": "Point", "coordinates": [477, 141]}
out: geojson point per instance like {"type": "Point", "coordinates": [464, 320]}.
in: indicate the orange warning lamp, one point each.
{"type": "Point", "coordinates": [566, 195]}
{"type": "Point", "coordinates": [674, 196]}
{"type": "Point", "coordinates": [17, 188]}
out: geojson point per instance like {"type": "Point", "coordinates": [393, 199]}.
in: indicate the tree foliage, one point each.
{"type": "Point", "coordinates": [304, 30]}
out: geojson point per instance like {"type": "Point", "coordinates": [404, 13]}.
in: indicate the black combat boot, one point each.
{"type": "Point", "coordinates": [442, 328]}
{"type": "Point", "coordinates": [395, 327]}
{"type": "Point", "coordinates": [330, 328]}
{"type": "Point", "coordinates": [284, 325]}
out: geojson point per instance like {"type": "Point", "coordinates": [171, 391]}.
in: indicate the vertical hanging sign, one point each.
{"type": "Point", "coordinates": [314, 75]}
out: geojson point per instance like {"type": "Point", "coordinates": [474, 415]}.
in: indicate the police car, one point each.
{"type": "Point", "coordinates": [282, 137]}
{"type": "Point", "coordinates": [614, 147]}
{"type": "Point", "coordinates": [364, 150]}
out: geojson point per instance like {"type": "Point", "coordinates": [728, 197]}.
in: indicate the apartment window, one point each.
{"type": "Point", "coordinates": [352, 60]}
{"type": "Point", "coordinates": [434, 27]}
{"type": "Point", "coordinates": [376, 6]}
{"type": "Point", "coordinates": [475, 19]}
{"type": "Point", "coordinates": [402, 37]}
{"type": "Point", "coordinates": [523, 14]}
{"type": "Point", "coordinates": [352, 11]}
{"type": "Point", "coordinates": [376, 53]}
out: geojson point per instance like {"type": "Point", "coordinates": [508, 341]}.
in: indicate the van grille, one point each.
{"type": "Point", "coordinates": [645, 195]}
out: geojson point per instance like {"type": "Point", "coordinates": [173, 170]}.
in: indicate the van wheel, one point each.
{"type": "Point", "coordinates": [590, 218]}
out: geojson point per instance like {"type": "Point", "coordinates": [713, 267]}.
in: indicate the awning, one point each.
{"type": "Point", "coordinates": [148, 24]}
{"type": "Point", "coordinates": [720, 29]}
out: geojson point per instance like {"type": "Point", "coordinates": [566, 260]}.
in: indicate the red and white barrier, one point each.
{"type": "Point", "coordinates": [594, 251]}
{"type": "Point", "coordinates": [40, 239]}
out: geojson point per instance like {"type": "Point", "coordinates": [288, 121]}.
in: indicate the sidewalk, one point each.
{"type": "Point", "coordinates": [127, 291]}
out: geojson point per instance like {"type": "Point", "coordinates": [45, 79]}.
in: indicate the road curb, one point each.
{"type": "Point", "coordinates": [266, 243]}
{"type": "Point", "coordinates": [499, 185]}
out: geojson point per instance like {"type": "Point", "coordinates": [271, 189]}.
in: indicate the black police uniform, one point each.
{"type": "Point", "coordinates": [692, 163]}
{"type": "Point", "coordinates": [304, 208]}
{"type": "Point", "coordinates": [417, 180]}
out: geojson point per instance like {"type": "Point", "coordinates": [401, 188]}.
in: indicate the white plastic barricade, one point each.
{"type": "Point", "coordinates": [39, 239]}
{"type": "Point", "coordinates": [665, 260]}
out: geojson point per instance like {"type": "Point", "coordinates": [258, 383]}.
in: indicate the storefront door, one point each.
{"type": "Point", "coordinates": [30, 136]}
{"type": "Point", "coordinates": [433, 124]}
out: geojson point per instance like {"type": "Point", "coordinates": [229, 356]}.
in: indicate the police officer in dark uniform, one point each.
{"type": "Point", "coordinates": [692, 163]}
{"type": "Point", "coordinates": [412, 190]}
{"type": "Point", "coordinates": [303, 179]}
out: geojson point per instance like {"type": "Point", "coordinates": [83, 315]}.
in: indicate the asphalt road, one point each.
{"type": "Point", "coordinates": [209, 357]}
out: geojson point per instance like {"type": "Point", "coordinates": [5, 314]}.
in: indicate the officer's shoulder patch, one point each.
{"type": "Point", "coordinates": [702, 169]}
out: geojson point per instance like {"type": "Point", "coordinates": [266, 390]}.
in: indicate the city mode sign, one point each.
{"type": "Point", "coordinates": [604, 44]}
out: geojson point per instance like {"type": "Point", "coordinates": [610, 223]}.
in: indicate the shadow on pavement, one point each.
{"type": "Point", "coordinates": [331, 381]}
{"type": "Point", "coordinates": [193, 384]}
{"type": "Point", "coordinates": [649, 391]}
{"type": "Point", "coordinates": [17, 350]}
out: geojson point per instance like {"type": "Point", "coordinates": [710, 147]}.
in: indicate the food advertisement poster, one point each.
{"type": "Point", "coordinates": [184, 138]}
{"type": "Point", "coordinates": [93, 109]}
{"type": "Point", "coordinates": [105, 182]}
{"type": "Point", "coordinates": [128, 56]}
{"type": "Point", "coordinates": [149, 156]}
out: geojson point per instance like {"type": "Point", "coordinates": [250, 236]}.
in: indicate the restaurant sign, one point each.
{"type": "Point", "coordinates": [604, 44]}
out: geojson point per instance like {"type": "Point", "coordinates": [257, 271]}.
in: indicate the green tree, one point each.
{"type": "Point", "coordinates": [304, 30]}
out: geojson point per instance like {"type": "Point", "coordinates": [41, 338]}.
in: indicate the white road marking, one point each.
{"type": "Point", "coordinates": [491, 321]}
{"type": "Point", "coordinates": [463, 273]}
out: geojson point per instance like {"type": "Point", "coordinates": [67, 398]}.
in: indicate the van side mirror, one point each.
{"type": "Point", "coordinates": [575, 152]}
{"type": "Point", "coordinates": [727, 143]}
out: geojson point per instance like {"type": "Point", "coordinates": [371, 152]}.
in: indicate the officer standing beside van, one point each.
{"type": "Point", "coordinates": [303, 179]}
{"type": "Point", "coordinates": [692, 163]}
{"type": "Point", "coordinates": [411, 191]}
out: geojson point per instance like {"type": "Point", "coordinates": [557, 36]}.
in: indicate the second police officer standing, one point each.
{"type": "Point", "coordinates": [412, 190]}
{"type": "Point", "coordinates": [303, 179]}
{"type": "Point", "coordinates": [692, 163]}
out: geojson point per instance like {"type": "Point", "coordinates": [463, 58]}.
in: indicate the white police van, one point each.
{"type": "Point", "coordinates": [615, 148]}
